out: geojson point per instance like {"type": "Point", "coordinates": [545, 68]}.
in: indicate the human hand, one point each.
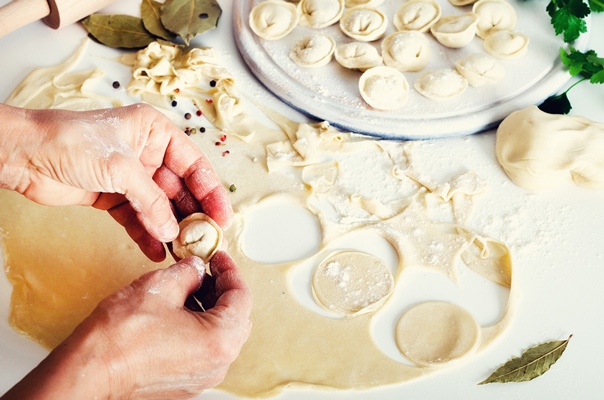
{"type": "Point", "coordinates": [130, 161]}
{"type": "Point", "coordinates": [142, 343]}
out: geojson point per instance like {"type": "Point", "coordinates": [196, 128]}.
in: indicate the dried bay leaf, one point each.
{"type": "Point", "coordinates": [120, 31]}
{"type": "Point", "coordinates": [188, 18]}
{"type": "Point", "coordinates": [532, 363]}
{"type": "Point", "coordinates": [150, 13]}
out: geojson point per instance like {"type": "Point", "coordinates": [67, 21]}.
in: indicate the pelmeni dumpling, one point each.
{"type": "Point", "coordinates": [406, 51]}
{"type": "Point", "coordinates": [273, 19]}
{"type": "Point", "coordinates": [366, 3]}
{"type": "Point", "coordinates": [199, 236]}
{"type": "Point", "coordinates": [480, 69]}
{"type": "Point", "coordinates": [455, 30]}
{"type": "Point", "coordinates": [313, 51]}
{"type": "Point", "coordinates": [506, 44]}
{"type": "Point", "coordinates": [460, 3]}
{"type": "Point", "coordinates": [493, 16]}
{"type": "Point", "coordinates": [319, 14]}
{"type": "Point", "coordinates": [357, 55]}
{"type": "Point", "coordinates": [384, 88]}
{"type": "Point", "coordinates": [441, 84]}
{"type": "Point", "coordinates": [417, 15]}
{"type": "Point", "coordinates": [364, 24]}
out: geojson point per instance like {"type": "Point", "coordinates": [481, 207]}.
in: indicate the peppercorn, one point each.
{"type": "Point", "coordinates": [116, 85]}
{"type": "Point", "coordinates": [232, 188]}
{"type": "Point", "coordinates": [213, 83]}
{"type": "Point", "coordinates": [188, 116]}
{"type": "Point", "coordinates": [174, 103]}
{"type": "Point", "coordinates": [198, 113]}
{"type": "Point", "coordinates": [202, 129]}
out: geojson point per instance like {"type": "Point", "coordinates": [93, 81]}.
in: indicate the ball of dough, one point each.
{"type": "Point", "coordinates": [436, 333]}
{"type": "Point", "coordinates": [541, 151]}
{"type": "Point", "coordinates": [199, 236]}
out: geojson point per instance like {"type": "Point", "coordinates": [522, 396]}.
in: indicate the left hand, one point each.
{"type": "Point", "coordinates": [109, 159]}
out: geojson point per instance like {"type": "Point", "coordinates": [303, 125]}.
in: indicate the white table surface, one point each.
{"type": "Point", "coordinates": [560, 272]}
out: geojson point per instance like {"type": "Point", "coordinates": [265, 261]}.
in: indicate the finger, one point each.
{"type": "Point", "coordinates": [147, 199]}
{"type": "Point", "coordinates": [234, 296]}
{"type": "Point", "coordinates": [186, 160]}
{"type": "Point", "coordinates": [183, 200]}
{"type": "Point", "coordinates": [178, 281]}
{"type": "Point", "coordinates": [125, 215]}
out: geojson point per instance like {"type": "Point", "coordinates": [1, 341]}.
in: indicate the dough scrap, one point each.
{"type": "Point", "coordinates": [350, 283]}
{"type": "Point", "coordinates": [455, 31]}
{"type": "Point", "coordinates": [384, 88]}
{"type": "Point", "coordinates": [199, 236]}
{"type": "Point", "coordinates": [480, 69]}
{"type": "Point", "coordinates": [364, 24]}
{"type": "Point", "coordinates": [541, 151]}
{"type": "Point", "coordinates": [319, 14]}
{"type": "Point", "coordinates": [436, 333]}
{"type": "Point", "coordinates": [406, 51]}
{"type": "Point", "coordinates": [313, 51]}
{"type": "Point", "coordinates": [273, 19]}
{"type": "Point", "coordinates": [417, 15]}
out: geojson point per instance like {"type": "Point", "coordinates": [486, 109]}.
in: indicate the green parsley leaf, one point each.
{"type": "Point", "coordinates": [587, 64]}
{"type": "Point", "coordinates": [596, 5]}
{"type": "Point", "coordinates": [558, 104]}
{"type": "Point", "coordinates": [567, 18]}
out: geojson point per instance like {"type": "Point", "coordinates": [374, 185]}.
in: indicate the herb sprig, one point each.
{"type": "Point", "coordinates": [568, 20]}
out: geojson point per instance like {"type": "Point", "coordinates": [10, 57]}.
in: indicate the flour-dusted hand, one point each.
{"type": "Point", "coordinates": [131, 161]}
{"type": "Point", "coordinates": [142, 343]}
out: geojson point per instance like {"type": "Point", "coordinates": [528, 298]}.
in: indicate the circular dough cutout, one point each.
{"type": "Point", "coordinates": [436, 333]}
{"type": "Point", "coordinates": [350, 283]}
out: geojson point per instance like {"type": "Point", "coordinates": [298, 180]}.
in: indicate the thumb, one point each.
{"type": "Point", "coordinates": [181, 280]}
{"type": "Point", "coordinates": [150, 203]}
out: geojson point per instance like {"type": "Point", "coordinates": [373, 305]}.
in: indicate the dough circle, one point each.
{"type": "Point", "coordinates": [350, 283]}
{"type": "Point", "coordinates": [436, 333]}
{"type": "Point", "coordinates": [199, 236]}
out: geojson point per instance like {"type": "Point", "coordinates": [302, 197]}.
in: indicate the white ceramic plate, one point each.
{"type": "Point", "coordinates": [331, 93]}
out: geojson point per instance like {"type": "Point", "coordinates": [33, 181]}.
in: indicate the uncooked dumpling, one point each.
{"type": "Point", "coordinates": [455, 30]}
{"type": "Point", "coordinates": [406, 51]}
{"type": "Point", "coordinates": [313, 51]}
{"type": "Point", "coordinates": [440, 84]}
{"type": "Point", "coordinates": [459, 3]}
{"type": "Point", "coordinates": [366, 3]}
{"type": "Point", "coordinates": [436, 333]}
{"type": "Point", "coordinates": [357, 55]}
{"type": "Point", "coordinates": [364, 23]}
{"type": "Point", "coordinates": [319, 14]}
{"type": "Point", "coordinates": [480, 69]}
{"type": "Point", "coordinates": [506, 44]}
{"type": "Point", "coordinates": [417, 15]}
{"type": "Point", "coordinates": [199, 236]}
{"type": "Point", "coordinates": [384, 88]}
{"type": "Point", "coordinates": [351, 283]}
{"type": "Point", "coordinates": [493, 16]}
{"type": "Point", "coordinates": [272, 19]}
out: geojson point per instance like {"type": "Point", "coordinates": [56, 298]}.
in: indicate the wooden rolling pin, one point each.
{"type": "Point", "coordinates": [55, 13]}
